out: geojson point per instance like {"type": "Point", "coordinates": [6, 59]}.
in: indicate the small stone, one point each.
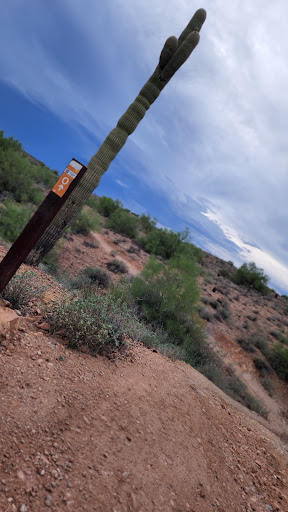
{"type": "Point", "coordinates": [42, 472]}
{"type": "Point", "coordinates": [48, 501]}
{"type": "Point", "coordinates": [23, 508]}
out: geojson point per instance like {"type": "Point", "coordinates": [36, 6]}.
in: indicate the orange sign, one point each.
{"type": "Point", "coordinates": [66, 178]}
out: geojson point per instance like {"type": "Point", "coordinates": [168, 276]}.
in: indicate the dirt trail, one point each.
{"type": "Point", "coordinates": [84, 433]}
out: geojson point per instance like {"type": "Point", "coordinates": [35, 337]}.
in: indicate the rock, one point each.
{"type": "Point", "coordinates": [5, 303]}
{"type": "Point", "coordinates": [23, 508]}
{"type": "Point", "coordinates": [45, 326]}
{"type": "Point", "coordinates": [9, 323]}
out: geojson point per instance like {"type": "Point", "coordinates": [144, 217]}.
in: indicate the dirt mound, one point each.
{"type": "Point", "coordinates": [148, 434]}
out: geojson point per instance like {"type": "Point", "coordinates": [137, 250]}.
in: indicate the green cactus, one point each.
{"type": "Point", "coordinates": [175, 52]}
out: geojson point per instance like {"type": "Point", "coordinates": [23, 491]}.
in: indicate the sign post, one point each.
{"type": "Point", "coordinates": [40, 221]}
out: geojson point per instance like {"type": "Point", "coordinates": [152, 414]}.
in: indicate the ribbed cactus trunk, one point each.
{"type": "Point", "coordinates": [175, 52]}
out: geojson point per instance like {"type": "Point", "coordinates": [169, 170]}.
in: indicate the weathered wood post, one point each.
{"type": "Point", "coordinates": [41, 219]}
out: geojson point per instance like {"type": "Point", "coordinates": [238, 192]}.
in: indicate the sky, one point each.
{"type": "Point", "coordinates": [211, 153]}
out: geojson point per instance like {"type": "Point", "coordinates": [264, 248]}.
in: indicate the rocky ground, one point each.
{"type": "Point", "coordinates": [140, 433]}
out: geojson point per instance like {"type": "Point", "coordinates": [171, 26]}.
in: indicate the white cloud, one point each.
{"type": "Point", "coordinates": [217, 134]}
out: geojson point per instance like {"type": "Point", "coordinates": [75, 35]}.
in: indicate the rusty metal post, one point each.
{"type": "Point", "coordinates": [41, 219]}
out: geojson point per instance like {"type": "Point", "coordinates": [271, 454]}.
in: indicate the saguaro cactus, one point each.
{"type": "Point", "coordinates": [175, 52]}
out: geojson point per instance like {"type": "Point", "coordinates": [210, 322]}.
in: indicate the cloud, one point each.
{"type": "Point", "coordinates": [215, 139]}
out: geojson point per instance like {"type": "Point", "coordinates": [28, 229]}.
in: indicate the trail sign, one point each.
{"type": "Point", "coordinates": [40, 221]}
{"type": "Point", "coordinates": [67, 177]}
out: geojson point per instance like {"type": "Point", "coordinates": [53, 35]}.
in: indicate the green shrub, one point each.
{"type": "Point", "coordinates": [99, 323]}
{"type": "Point", "coordinates": [260, 342]}
{"type": "Point", "coordinates": [91, 277]}
{"type": "Point", "coordinates": [163, 242]}
{"type": "Point", "coordinates": [13, 219]}
{"type": "Point", "coordinates": [23, 290]}
{"type": "Point", "coordinates": [117, 266]}
{"type": "Point", "coordinates": [246, 344]}
{"type": "Point", "coordinates": [262, 366]}
{"type": "Point", "coordinates": [206, 314]}
{"type": "Point", "coordinates": [279, 360]}
{"type": "Point", "coordinates": [252, 277]}
{"type": "Point", "coordinates": [122, 222]}
{"type": "Point", "coordinates": [9, 143]}
{"type": "Point", "coordinates": [86, 221]}
{"type": "Point", "coordinates": [106, 205]}
{"type": "Point", "coordinates": [268, 384]}
{"type": "Point", "coordinates": [51, 261]}
{"type": "Point", "coordinates": [147, 223]}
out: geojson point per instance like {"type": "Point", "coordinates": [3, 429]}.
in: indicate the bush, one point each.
{"type": "Point", "coordinates": [260, 342]}
{"type": "Point", "coordinates": [117, 266]}
{"type": "Point", "coordinates": [262, 366]}
{"type": "Point", "coordinates": [106, 205]}
{"type": "Point", "coordinates": [206, 314]}
{"type": "Point", "coordinates": [99, 323]}
{"type": "Point", "coordinates": [86, 221]}
{"type": "Point", "coordinates": [252, 277]}
{"type": "Point", "coordinates": [23, 290]}
{"type": "Point", "coordinates": [163, 242]}
{"type": "Point", "coordinates": [147, 223]}
{"type": "Point", "coordinates": [279, 360]}
{"type": "Point", "coordinates": [51, 261]}
{"type": "Point", "coordinates": [91, 277]}
{"type": "Point", "coordinates": [268, 384]}
{"type": "Point", "coordinates": [13, 219]}
{"type": "Point", "coordinates": [122, 222]}
{"type": "Point", "coordinates": [246, 344]}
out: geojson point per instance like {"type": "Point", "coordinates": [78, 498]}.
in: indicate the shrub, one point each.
{"type": "Point", "coordinates": [23, 290]}
{"type": "Point", "coordinates": [260, 342]}
{"type": "Point", "coordinates": [51, 260]}
{"type": "Point", "coordinates": [163, 242]}
{"type": "Point", "coordinates": [122, 222]}
{"type": "Point", "coordinates": [252, 277]}
{"type": "Point", "coordinates": [268, 384]}
{"type": "Point", "coordinates": [262, 366]}
{"type": "Point", "coordinates": [117, 266]}
{"type": "Point", "coordinates": [106, 205]}
{"type": "Point", "coordinates": [91, 244]}
{"type": "Point", "coordinates": [147, 223]}
{"type": "Point", "coordinates": [279, 360]}
{"type": "Point", "coordinates": [91, 277]}
{"type": "Point", "coordinates": [246, 344]}
{"type": "Point", "coordinates": [13, 219]}
{"type": "Point", "coordinates": [99, 323]}
{"type": "Point", "coordinates": [205, 314]}
{"type": "Point", "coordinates": [86, 221]}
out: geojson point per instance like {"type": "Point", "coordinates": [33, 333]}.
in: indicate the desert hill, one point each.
{"type": "Point", "coordinates": [138, 431]}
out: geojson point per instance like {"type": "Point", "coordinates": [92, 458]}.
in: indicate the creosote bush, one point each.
{"type": "Point", "coordinates": [99, 323]}
{"type": "Point", "coordinates": [91, 277]}
{"type": "Point", "coordinates": [23, 289]}
{"type": "Point", "coordinates": [117, 266]}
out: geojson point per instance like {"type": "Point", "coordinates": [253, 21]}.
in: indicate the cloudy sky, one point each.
{"type": "Point", "coordinates": [212, 151]}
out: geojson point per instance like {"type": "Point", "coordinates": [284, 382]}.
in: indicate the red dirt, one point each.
{"type": "Point", "coordinates": [84, 433]}
{"type": "Point", "coordinates": [139, 434]}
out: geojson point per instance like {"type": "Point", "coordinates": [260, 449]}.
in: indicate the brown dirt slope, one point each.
{"type": "Point", "coordinates": [84, 433]}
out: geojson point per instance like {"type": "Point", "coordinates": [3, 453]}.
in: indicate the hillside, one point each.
{"type": "Point", "coordinates": [139, 431]}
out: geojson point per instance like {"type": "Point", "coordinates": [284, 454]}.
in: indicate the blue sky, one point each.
{"type": "Point", "coordinates": [210, 154]}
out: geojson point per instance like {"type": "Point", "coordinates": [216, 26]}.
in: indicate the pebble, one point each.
{"type": "Point", "coordinates": [23, 508]}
